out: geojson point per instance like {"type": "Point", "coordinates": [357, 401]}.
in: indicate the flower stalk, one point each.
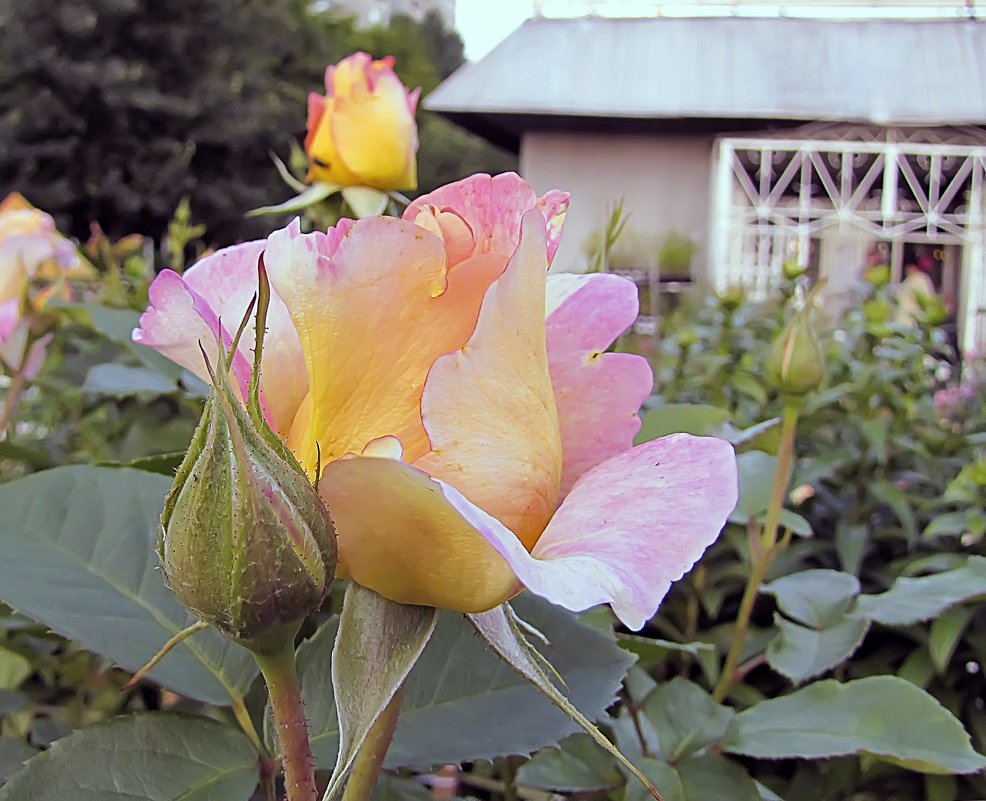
{"type": "Point", "coordinates": [11, 399]}
{"type": "Point", "coordinates": [281, 676]}
{"type": "Point", "coordinates": [371, 754]}
{"type": "Point", "coordinates": [764, 549]}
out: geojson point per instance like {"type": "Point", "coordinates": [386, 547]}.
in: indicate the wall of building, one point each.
{"type": "Point", "coordinates": [664, 181]}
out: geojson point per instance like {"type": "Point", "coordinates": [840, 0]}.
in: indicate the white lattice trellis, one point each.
{"type": "Point", "coordinates": [775, 199]}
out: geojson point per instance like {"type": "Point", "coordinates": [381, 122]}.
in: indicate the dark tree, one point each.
{"type": "Point", "coordinates": [443, 46]}
{"type": "Point", "coordinates": [112, 110]}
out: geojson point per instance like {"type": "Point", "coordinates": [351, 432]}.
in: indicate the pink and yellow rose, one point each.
{"type": "Point", "coordinates": [362, 132]}
{"type": "Point", "coordinates": [475, 436]}
{"type": "Point", "coordinates": [34, 261]}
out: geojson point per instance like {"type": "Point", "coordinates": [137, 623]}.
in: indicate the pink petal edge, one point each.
{"type": "Point", "coordinates": [177, 320]}
{"type": "Point", "coordinates": [598, 394]}
{"type": "Point", "coordinates": [629, 528]}
{"type": "Point", "coordinates": [492, 206]}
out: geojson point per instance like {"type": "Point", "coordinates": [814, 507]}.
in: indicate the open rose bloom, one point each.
{"type": "Point", "coordinates": [34, 261]}
{"type": "Point", "coordinates": [362, 131]}
{"type": "Point", "coordinates": [475, 438]}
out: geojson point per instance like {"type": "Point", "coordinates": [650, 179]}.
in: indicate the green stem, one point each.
{"type": "Point", "coordinates": [13, 395]}
{"type": "Point", "coordinates": [242, 716]}
{"type": "Point", "coordinates": [727, 677]}
{"type": "Point", "coordinates": [763, 557]}
{"type": "Point", "coordinates": [782, 478]}
{"type": "Point", "coordinates": [509, 772]}
{"type": "Point", "coordinates": [281, 675]}
{"type": "Point", "coordinates": [366, 767]}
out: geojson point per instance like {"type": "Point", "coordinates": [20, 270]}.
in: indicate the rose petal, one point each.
{"type": "Point", "coordinates": [489, 409]}
{"type": "Point", "coordinates": [178, 321]}
{"type": "Point", "coordinates": [186, 309]}
{"type": "Point", "coordinates": [227, 280]}
{"type": "Point", "coordinates": [316, 110]}
{"type": "Point", "coordinates": [398, 536]}
{"type": "Point", "coordinates": [492, 207]}
{"type": "Point", "coordinates": [373, 310]}
{"type": "Point", "coordinates": [634, 524]}
{"type": "Point", "coordinates": [598, 394]}
{"type": "Point", "coordinates": [452, 230]}
{"type": "Point", "coordinates": [373, 125]}
{"type": "Point", "coordinates": [9, 316]}
{"type": "Point", "coordinates": [628, 530]}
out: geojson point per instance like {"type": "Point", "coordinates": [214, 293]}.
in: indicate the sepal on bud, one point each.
{"type": "Point", "coordinates": [246, 543]}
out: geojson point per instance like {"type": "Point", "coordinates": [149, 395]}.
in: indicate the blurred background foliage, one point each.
{"type": "Point", "coordinates": [112, 111]}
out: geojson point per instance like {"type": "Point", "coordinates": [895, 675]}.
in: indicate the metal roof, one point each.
{"type": "Point", "coordinates": [928, 72]}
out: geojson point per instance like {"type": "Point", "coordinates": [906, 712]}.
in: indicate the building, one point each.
{"type": "Point", "coordinates": [835, 144]}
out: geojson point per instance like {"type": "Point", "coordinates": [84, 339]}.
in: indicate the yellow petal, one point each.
{"type": "Point", "coordinates": [399, 536]}
{"type": "Point", "coordinates": [374, 309]}
{"type": "Point", "coordinates": [489, 409]}
{"type": "Point", "coordinates": [374, 133]}
{"type": "Point", "coordinates": [326, 164]}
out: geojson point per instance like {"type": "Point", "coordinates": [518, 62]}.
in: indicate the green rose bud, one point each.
{"type": "Point", "coordinates": [792, 269]}
{"type": "Point", "coordinates": [246, 544]}
{"type": "Point", "coordinates": [796, 362]}
{"type": "Point", "coordinates": [878, 276]}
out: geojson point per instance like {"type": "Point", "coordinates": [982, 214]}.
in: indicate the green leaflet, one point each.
{"type": "Point", "coordinates": [377, 645]}
{"type": "Point", "coordinates": [87, 535]}
{"type": "Point", "coordinates": [881, 715]}
{"type": "Point", "coordinates": [154, 756]}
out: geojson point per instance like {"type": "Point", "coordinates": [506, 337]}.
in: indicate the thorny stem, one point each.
{"type": "Point", "coordinates": [281, 675]}
{"type": "Point", "coordinates": [366, 767]}
{"type": "Point", "coordinates": [761, 557]}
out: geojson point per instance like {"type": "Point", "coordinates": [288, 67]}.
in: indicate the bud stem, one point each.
{"type": "Point", "coordinates": [281, 675]}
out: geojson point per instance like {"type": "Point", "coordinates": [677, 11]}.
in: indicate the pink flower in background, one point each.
{"type": "Point", "coordinates": [32, 252]}
{"type": "Point", "coordinates": [475, 436]}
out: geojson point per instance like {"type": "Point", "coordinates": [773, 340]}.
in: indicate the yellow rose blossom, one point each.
{"type": "Point", "coordinates": [362, 132]}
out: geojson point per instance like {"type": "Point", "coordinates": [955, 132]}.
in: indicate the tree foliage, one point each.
{"type": "Point", "coordinates": [113, 110]}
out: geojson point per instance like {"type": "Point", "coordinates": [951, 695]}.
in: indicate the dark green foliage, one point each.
{"type": "Point", "coordinates": [113, 110]}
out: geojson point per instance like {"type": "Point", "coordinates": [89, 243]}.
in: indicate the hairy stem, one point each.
{"type": "Point", "coordinates": [281, 675]}
{"type": "Point", "coordinates": [366, 768]}
{"type": "Point", "coordinates": [761, 557]}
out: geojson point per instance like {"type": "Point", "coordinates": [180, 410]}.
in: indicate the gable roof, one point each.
{"type": "Point", "coordinates": [928, 72]}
